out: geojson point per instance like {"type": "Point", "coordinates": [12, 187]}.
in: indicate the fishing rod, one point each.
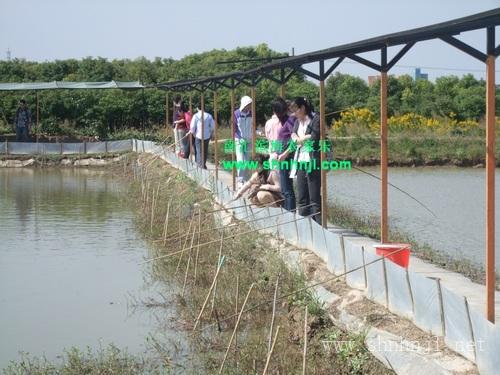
{"type": "Point", "coordinates": [305, 288]}
{"type": "Point", "coordinates": [242, 221]}
{"type": "Point", "coordinates": [232, 236]}
{"type": "Point", "coordinates": [397, 188]}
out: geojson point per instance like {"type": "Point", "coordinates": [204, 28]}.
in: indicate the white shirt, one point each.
{"type": "Point", "coordinates": [301, 132]}
{"type": "Point", "coordinates": [208, 125]}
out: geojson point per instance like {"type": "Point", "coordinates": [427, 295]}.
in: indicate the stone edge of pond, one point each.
{"type": "Point", "coordinates": [98, 160]}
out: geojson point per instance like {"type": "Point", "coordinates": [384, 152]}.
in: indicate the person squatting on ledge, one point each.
{"type": "Point", "coordinates": [263, 187]}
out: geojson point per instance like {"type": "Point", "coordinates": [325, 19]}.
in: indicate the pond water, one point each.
{"type": "Point", "coordinates": [69, 273]}
{"type": "Point", "coordinates": [455, 195]}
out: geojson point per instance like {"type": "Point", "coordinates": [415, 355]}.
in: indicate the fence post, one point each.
{"type": "Point", "coordinates": [105, 147]}
{"type": "Point", "coordinates": [6, 146]}
{"type": "Point", "coordinates": [85, 147]}
{"type": "Point", "coordinates": [61, 148]}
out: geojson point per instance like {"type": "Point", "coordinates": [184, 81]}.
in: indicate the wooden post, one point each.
{"type": "Point", "coordinates": [383, 157]}
{"type": "Point", "coordinates": [166, 111]}
{"type": "Point", "coordinates": [490, 177]}
{"type": "Point", "coordinates": [233, 157]}
{"type": "Point", "coordinates": [254, 122]}
{"type": "Point", "coordinates": [216, 121]}
{"type": "Point", "coordinates": [202, 100]}
{"type": "Point", "coordinates": [322, 136]}
{"type": "Point", "coordinates": [282, 90]}
{"type": "Point", "coordinates": [37, 115]}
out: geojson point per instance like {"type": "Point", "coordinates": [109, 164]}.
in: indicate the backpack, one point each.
{"type": "Point", "coordinates": [188, 116]}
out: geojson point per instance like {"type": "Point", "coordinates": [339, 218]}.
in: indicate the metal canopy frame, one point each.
{"type": "Point", "coordinates": [446, 32]}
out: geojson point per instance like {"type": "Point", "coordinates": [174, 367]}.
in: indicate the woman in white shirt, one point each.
{"type": "Point", "coordinates": [306, 134]}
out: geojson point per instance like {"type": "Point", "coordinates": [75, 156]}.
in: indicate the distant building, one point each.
{"type": "Point", "coordinates": [420, 75]}
{"type": "Point", "coordinates": [372, 80]}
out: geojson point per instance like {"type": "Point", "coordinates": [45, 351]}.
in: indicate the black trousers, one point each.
{"type": "Point", "coordinates": [309, 194]}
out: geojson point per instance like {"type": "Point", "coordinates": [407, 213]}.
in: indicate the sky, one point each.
{"type": "Point", "coordinates": [60, 29]}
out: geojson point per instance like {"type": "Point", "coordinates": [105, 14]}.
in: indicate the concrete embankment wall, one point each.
{"type": "Point", "coordinates": [32, 148]}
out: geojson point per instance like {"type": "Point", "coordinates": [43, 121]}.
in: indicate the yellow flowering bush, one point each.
{"type": "Point", "coordinates": [363, 121]}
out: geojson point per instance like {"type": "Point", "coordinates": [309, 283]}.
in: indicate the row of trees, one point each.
{"type": "Point", "coordinates": [98, 112]}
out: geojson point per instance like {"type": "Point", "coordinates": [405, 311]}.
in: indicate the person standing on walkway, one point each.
{"type": "Point", "coordinates": [243, 136]}
{"type": "Point", "coordinates": [199, 136]}
{"type": "Point", "coordinates": [22, 122]}
{"type": "Point", "coordinates": [273, 126]}
{"type": "Point", "coordinates": [182, 124]}
{"type": "Point", "coordinates": [286, 155]}
{"type": "Point", "coordinates": [176, 116]}
{"type": "Point", "coordinates": [306, 134]}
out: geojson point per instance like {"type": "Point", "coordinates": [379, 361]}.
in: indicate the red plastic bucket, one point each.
{"type": "Point", "coordinates": [398, 253]}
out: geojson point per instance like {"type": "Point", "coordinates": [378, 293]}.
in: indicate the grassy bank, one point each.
{"type": "Point", "coordinates": [250, 268]}
{"type": "Point", "coordinates": [110, 360]}
{"type": "Point", "coordinates": [345, 217]}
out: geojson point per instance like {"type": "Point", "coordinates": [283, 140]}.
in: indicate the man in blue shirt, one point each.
{"type": "Point", "coordinates": [202, 136]}
{"type": "Point", "coordinates": [22, 122]}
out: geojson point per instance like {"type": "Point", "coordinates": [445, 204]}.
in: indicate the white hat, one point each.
{"type": "Point", "coordinates": [245, 100]}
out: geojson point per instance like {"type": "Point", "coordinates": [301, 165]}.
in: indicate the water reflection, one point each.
{"type": "Point", "coordinates": [69, 255]}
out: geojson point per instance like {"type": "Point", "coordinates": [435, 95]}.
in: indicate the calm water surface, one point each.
{"type": "Point", "coordinates": [69, 255]}
{"type": "Point", "coordinates": [455, 195]}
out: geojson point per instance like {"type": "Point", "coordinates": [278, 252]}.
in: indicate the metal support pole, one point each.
{"type": "Point", "coordinates": [254, 122]}
{"type": "Point", "coordinates": [37, 115]}
{"type": "Point", "coordinates": [233, 171]}
{"type": "Point", "coordinates": [202, 154]}
{"type": "Point", "coordinates": [216, 122]}
{"type": "Point", "coordinates": [490, 187]}
{"type": "Point", "coordinates": [191, 103]}
{"type": "Point", "coordinates": [282, 90]}
{"type": "Point", "coordinates": [166, 111]}
{"type": "Point", "coordinates": [324, 196]}
{"type": "Point", "coordinates": [383, 157]}
{"type": "Point", "coordinates": [143, 114]}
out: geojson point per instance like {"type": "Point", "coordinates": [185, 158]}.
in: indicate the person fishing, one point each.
{"type": "Point", "coordinates": [263, 187]}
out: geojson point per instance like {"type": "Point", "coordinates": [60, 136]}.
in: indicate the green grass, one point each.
{"type": "Point", "coordinates": [251, 259]}
{"type": "Point", "coordinates": [110, 360]}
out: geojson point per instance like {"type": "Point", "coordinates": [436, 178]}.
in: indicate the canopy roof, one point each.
{"type": "Point", "coordinates": [70, 85]}
{"type": "Point", "coordinates": [445, 31]}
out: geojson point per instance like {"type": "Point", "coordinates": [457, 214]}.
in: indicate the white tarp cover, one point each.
{"type": "Point", "coordinates": [66, 85]}
{"type": "Point", "coordinates": [335, 262]}
{"type": "Point", "coordinates": [426, 303]}
{"type": "Point", "coordinates": [304, 233]}
{"type": "Point", "coordinates": [319, 243]}
{"type": "Point", "coordinates": [487, 343]}
{"type": "Point", "coordinates": [289, 230]}
{"type": "Point", "coordinates": [375, 277]}
{"type": "Point", "coordinates": [458, 334]}
{"type": "Point", "coordinates": [354, 260]}
{"type": "Point", "coordinates": [399, 291]}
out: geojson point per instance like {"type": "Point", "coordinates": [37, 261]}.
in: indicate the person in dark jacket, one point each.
{"type": "Point", "coordinates": [306, 134]}
{"type": "Point", "coordinates": [22, 122]}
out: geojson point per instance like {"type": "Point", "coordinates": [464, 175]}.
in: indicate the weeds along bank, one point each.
{"type": "Point", "coordinates": [227, 279]}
